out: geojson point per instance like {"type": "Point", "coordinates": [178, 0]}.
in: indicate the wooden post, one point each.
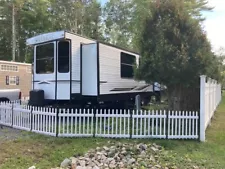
{"type": "Point", "coordinates": [202, 108]}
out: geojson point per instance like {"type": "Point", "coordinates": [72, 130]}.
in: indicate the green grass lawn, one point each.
{"type": "Point", "coordinates": [46, 152]}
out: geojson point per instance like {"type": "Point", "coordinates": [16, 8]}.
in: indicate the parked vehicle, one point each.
{"type": "Point", "coordinates": [10, 95]}
{"type": "Point", "coordinates": [69, 68]}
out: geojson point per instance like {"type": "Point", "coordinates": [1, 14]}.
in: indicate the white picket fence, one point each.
{"type": "Point", "coordinates": [102, 123]}
{"type": "Point", "coordinates": [116, 123]}
{"type": "Point", "coordinates": [210, 97]}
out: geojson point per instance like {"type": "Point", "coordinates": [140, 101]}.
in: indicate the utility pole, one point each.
{"type": "Point", "coordinates": [13, 34]}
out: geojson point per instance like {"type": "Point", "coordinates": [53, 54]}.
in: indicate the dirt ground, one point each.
{"type": "Point", "coordinates": [7, 133]}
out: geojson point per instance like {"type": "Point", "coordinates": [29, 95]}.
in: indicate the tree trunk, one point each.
{"type": "Point", "coordinates": [183, 98]}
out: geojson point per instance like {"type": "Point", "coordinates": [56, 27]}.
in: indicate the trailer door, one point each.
{"type": "Point", "coordinates": [89, 70]}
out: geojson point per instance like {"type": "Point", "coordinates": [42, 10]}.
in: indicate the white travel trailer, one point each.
{"type": "Point", "coordinates": [69, 68]}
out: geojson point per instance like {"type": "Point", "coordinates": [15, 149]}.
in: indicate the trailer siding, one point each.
{"type": "Point", "coordinates": [110, 78]}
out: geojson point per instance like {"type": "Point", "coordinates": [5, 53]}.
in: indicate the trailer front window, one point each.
{"type": "Point", "coordinates": [45, 58]}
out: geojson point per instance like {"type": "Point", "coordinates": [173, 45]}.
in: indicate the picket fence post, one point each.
{"type": "Point", "coordinates": [57, 121]}
{"type": "Point", "coordinates": [12, 113]}
{"type": "Point", "coordinates": [94, 121]}
{"type": "Point", "coordinates": [167, 124]}
{"type": "Point", "coordinates": [131, 123]}
{"type": "Point", "coordinates": [31, 119]}
{"type": "Point", "coordinates": [202, 107]}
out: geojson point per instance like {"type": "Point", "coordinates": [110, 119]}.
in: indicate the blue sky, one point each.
{"type": "Point", "coordinates": [214, 25]}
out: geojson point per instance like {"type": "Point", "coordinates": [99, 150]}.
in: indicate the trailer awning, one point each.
{"type": "Point", "coordinates": [46, 37]}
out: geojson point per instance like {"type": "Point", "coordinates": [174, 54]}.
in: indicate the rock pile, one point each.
{"type": "Point", "coordinates": [117, 156]}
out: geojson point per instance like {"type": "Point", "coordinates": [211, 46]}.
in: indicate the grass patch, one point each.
{"type": "Point", "coordinates": [46, 152]}
{"type": "Point", "coordinates": [42, 151]}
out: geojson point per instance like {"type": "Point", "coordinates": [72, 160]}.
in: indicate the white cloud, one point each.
{"type": "Point", "coordinates": [218, 4]}
{"type": "Point", "coordinates": [215, 25]}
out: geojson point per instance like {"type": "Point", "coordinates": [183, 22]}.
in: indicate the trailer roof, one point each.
{"type": "Point", "coordinates": [45, 37]}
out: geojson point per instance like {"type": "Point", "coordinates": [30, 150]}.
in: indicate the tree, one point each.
{"type": "Point", "coordinates": [175, 52]}
{"type": "Point", "coordinates": [92, 20]}
{"type": "Point", "coordinates": [117, 18]}
{"type": "Point", "coordinates": [220, 54]}
{"type": "Point", "coordinates": [5, 30]}
{"type": "Point", "coordinates": [141, 11]}
{"type": "Point", "coordinates": [31, 18]}
{"type": "Point", "coordinates": [40, 16]}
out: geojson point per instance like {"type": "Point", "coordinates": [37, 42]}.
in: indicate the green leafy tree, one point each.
{"type": "Point", "coordinates": [220, 54]}
{"type": "Point", "coordinates": [92, 20]}
{"type": "Point", "coordinates": [6, 30]}
{"type": "Point", "coordinates": [175, 52]}
{"type": "Point", "coordinates": [117, 18]}
{"type": "Point", "coordinates": [33, 17]}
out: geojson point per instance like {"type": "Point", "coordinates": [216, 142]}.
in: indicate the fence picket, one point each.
{"type": "Point", "coordinates": [196, 124]}
{"type": "Point", "coordinates": [104, 121]}
{"type": "Point", "coordinates": [152, 126]}
{"type": "Point", "coordinates": [193, 121]}
{"type": "Point", "coordinates": [133, 123]}
{"type": "Point", "coordinates": [149, 124]}
{"type": "Point", "coordinates": [49, 123]}
{"type": "Point", "coordinates": [108, 122]}
{"type": "Point", "coordinates": [186, 122]}
{"type": "Point", "coordinates": [76, 128]}
{"type": "Point", "coordinates": [100, 127]}
{"type": "Point", "coordinates": [157, 113]}
{"type": "Point", "coordinates": [160, 123]}
{"type": "Point", "coordinates": [116, 122]}
{"type": "Point", "coordinates": [144, 122]}
{"type": "Point", "coordinates": [167, 124]}
{"type": "Point", "coordinates": [88, 112]}
{"type": "Point", "coordinates": [83, 122]}
{"type": "Point", "coordinates": [128, 115]}
{"type": "Point", "coordinates": [121, 122]}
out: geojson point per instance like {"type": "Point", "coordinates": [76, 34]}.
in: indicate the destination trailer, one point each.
{"type": "Point", "coordinates": [72, 69]}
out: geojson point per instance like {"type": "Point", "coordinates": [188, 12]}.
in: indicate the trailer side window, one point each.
{"type": "Point", "coordinates": [63, 56]}
{"type": "Point", "coordinates": [45, 59]}
{"type": "Point", "coordinates": [127, 63]}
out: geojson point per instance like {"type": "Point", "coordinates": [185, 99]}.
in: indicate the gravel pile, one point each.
{"type": "Point", "coordinates": [118, 156]}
